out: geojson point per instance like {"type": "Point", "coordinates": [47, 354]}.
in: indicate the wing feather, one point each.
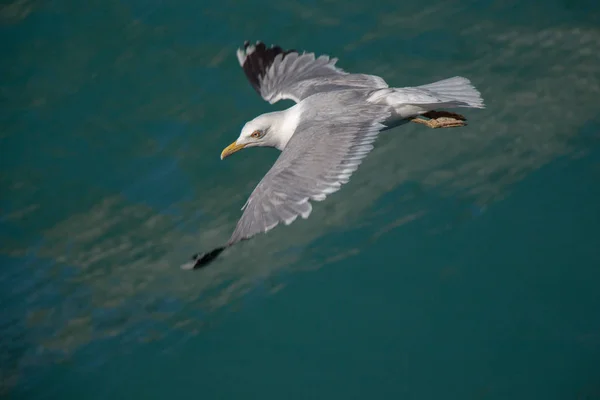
{"type": "Point", "coordinates": [325, 150]}
{"type": "Point", "coordinates": [278, 74]}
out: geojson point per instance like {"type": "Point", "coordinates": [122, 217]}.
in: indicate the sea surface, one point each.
{"type": "Point", "coordinates": [456, 263]}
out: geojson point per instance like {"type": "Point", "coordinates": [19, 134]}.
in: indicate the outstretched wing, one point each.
{"type": "Point", "coordinates": [278, 74]}
{"type": "Point", "coordinates": [327, 147]}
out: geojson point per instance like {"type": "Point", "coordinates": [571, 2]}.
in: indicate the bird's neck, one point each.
{"type": "Point", "coordinates": [285, 125]}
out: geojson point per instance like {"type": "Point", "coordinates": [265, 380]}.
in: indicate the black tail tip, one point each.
{"type": "Point", "coordinates": [201, 260]}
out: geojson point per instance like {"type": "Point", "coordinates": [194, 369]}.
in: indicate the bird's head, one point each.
{"type": "Point", "coordinates": [258, 132]}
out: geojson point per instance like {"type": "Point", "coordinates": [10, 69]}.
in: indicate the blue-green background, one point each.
{"type": "Point", "coordinates": [456, 264]}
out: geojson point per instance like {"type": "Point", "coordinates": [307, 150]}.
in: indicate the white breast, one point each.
{"type": "Point", "coordinates": [287, 125]}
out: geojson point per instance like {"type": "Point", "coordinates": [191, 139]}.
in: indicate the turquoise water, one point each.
{"type": "Point", "coordinates": [456, 264]}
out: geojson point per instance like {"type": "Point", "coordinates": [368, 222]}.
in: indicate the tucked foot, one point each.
{"type": "Point", "coordinates": [444, 114]}
{"type": "Point", "coordinates": [441, 122]}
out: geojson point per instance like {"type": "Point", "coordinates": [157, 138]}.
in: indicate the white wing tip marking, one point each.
{"type": "Point", "coordinates": [332, 189]}
{"type": "Point", "coordinates": [273, 225]}
{"type": "Point", "coordinates": [241, 56]}
{"type": "Point", "coordinates": [319, 197]}
{"type": "Point", "coordinates": [306, 213]}
{"type": "Point", "coordinates": [290, 220]}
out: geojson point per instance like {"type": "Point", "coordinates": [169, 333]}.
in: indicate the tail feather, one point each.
{"type": "Point", "coordinates": [456, 89]}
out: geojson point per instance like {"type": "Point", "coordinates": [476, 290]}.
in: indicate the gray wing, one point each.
{"type": "Point", "coordinates": [325, 150]}
{"type": "Point", "coordinates": [278, 74]}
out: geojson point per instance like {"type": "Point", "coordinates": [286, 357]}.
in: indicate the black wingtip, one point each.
{"type": "Point", "coordinates": [259, 60]}
{"type": "Point", "coordinates": [201, 260]}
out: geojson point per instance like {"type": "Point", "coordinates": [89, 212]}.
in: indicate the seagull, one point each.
{"type": "Point", "coordinates": [326, 134]}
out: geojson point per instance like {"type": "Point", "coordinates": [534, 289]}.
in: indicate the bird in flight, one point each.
{"type": "Point", "coordinates": [325, 135]}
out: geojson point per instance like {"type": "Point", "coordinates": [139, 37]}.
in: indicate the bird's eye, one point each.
{"type": "Point", "coordinates": [255, 134]}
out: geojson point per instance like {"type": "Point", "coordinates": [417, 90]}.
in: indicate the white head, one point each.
{"type": "Point", "coordinates": [258, 132]}
{"type": "Point", "coordinates": [273, 129]}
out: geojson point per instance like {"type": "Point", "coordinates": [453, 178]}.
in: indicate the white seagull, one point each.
{"type": "Point", "coordinates": [326, 134]}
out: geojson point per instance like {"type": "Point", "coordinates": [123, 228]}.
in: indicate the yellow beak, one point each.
{"type": "Point", "coordinates": [232, 148]}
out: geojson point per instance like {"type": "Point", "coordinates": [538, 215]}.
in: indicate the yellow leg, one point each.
{"type": "Point", "coordinates": [441, 122]}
